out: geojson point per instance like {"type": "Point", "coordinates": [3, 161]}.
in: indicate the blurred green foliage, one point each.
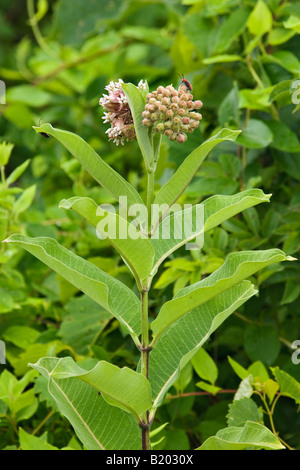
{"type": "Point", "coordinates": [243, 59]}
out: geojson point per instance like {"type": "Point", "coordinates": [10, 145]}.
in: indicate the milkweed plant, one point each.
{"type": "Point", "coordinates": [112, 408]}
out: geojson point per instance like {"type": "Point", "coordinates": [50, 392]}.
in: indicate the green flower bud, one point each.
{"type": "Point", "coordinates": [160, 127]}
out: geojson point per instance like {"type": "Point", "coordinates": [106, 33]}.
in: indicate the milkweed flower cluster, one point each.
{"type": "Point", "coordinates": [167, 111]}
{"type": "Point", "coordinates": [117, 112]}
{"type": "Point", "coordinates": [172, 112]}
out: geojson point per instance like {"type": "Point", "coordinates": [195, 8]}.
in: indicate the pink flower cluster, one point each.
{"type": "Point", "coordinates": [117, 112]}
{"type": "Point", "coordinates": [167, 111]}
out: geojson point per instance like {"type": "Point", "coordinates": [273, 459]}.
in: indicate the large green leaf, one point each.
{"type": "Point", "coordinates": [123, 388]}
{"type": "Point", "coordinates": [172, 190]}
{"type": "Point", "coordinates": [237, 266]}
{"type": "Point", "coordinates": [112, 294]}
{"type": "Point", "coordinates": [99, 425]}
{"type": "Point", "coordinates": [114, 183]}
{"type": "Point", "coordinates": [135, 248]}
{"type": "Point", "coordinates": [215, 210]}
{"type": "Point", "coordinates": [251, 435]}
{"type": "Point", "coordinates": [186, 336]}
{"type": "Point", "coordinates": [137, 104]}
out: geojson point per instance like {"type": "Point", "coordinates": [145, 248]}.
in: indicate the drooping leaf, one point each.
{"type": "Point", "coordinates": [188, 334]}
{"type": "Point", "coordinates": [112, 294]}
{"type": "Point", "coordinates": [132, 245]}
{"type": "Point", "coordinates": [114, 183]}
{"type": "Point", "coordinates": [193, 222]}
{"type": "Point", "coordinates": [217, 208]}
{"type": "Point", "coordinates": [98, 425]}
{"type": "Point", "coordinates": [123, 388]}
{"type": "Point", "coordinates": [237, 266]}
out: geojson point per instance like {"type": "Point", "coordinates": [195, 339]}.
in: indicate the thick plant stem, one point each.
{"type": "Point", "coordinates": [145, 364]}
{"type": "Point", "coordinates": [145, 326]}
{"type": "Point", "coordinates": [145, 349]}
{"type": "Point", "coordinates": [145, 334]}
{"type": "Point", "coordinates": [150, 196]}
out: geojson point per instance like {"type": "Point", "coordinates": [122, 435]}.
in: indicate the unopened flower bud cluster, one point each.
{"type": "Point", "coordinates": [172, 112]}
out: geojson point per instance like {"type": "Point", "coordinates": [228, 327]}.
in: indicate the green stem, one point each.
{"type": "Point", "coordinates": [145, 348]}
{"type": "Point", "coordinates": [150, 197]}
{"type": "Point", "coordinates": [36, 30]}
{"type": "Point", "coordinates": [273, 109]}
{"type": "Point", "coordinates": [270, 413]}
{"type": "Point", "coordinates": [3, 179]}
{"type": "Point", "coordinates": [145, 365]}
{"type": "Point", "coordinates": [41, 424]}
{"type": "Point", "coordinates": [253, 72]}
{"type": "Point", "coordinates": [145, 334]}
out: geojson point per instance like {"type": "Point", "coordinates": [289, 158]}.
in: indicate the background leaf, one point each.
{"type": "Point", "coordinates": [252, 435]}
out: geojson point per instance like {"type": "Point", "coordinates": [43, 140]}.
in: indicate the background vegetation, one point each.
{"type": "Point", "coordinates": [242, 58]}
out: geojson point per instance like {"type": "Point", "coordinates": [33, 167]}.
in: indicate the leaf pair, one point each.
{"type": "Point", "coordinates": [144, 256]}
